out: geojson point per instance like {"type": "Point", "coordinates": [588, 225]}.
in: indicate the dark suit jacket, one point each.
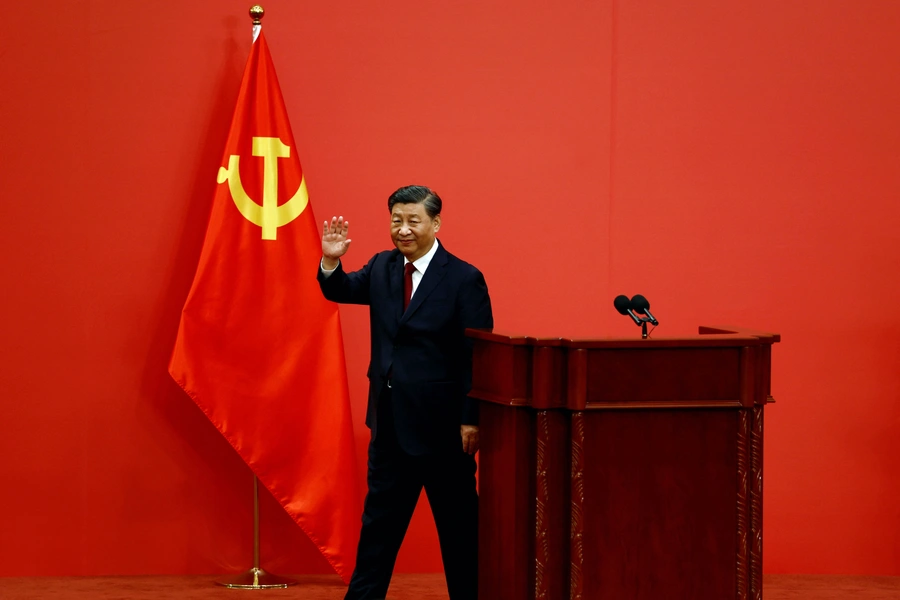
{"type": "Point", "coordinates": [424, 349]}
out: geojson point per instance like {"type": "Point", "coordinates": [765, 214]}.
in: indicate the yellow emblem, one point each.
{"type": "Point", "coordinates": [269, 216]}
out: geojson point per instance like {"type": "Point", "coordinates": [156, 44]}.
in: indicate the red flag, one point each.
{"type": "Point", "coordinates": [259, 349]}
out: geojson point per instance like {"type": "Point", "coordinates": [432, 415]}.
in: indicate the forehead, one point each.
{"type": "Point", "coordinates": [409, 210]}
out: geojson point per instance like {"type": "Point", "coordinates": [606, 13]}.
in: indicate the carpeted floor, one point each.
{"type": "Point", "coordinates": [404, 587]}
{"type": "Point", "coordinates": [830, 587]}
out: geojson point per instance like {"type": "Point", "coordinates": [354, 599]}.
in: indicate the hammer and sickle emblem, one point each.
{"type": "Point", "coordinates": [269, 216]}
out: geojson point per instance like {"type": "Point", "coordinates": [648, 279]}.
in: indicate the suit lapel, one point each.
{"type": "Point", "coordinates": [435, 272]}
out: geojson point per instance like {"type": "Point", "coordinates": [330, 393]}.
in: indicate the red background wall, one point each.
{"type": "Point", "coordinates": [736, 163]}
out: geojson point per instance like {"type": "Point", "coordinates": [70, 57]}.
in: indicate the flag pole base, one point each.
{"type": "Point", "coordinates": [257, 579]}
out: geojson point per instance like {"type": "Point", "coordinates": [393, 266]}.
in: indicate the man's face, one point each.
{"type": "Point", "coordinates": [412, 230]}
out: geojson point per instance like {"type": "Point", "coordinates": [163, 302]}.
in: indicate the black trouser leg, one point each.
{"type": "Point", "coordinates": [394, 488]}
{"type": "Point", "coordinates": [450, 486]}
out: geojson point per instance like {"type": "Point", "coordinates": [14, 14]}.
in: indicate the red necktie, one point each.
{"type": "Point", "coordinates": [407, 283]}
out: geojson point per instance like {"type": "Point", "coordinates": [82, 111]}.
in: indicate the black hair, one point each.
{"type": "Point", "coordinates": [417, 194]}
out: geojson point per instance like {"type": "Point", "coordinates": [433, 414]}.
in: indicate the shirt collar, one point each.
{"type": "Point", "coordinates": [422, 262]}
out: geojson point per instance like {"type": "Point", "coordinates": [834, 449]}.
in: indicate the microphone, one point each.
{"type": "Point", "coordinates": [641, 306]}
{"type": "Point", "coordinates": [624, 305]}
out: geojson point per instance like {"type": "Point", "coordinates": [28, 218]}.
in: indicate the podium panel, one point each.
{"type": "Point", "coordinates": [622, 469]}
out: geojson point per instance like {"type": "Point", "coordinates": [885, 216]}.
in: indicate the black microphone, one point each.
{"type": "Point", "coordinates": [641, 306]}
{"type": "Point", "coordinates": [623, 305]}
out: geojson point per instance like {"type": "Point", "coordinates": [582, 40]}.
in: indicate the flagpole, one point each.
{"type": "Point", "coordinates": [255, 578]}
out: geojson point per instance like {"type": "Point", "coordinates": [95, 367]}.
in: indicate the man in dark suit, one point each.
{"type": "Point", "coordinates": [424, 427]}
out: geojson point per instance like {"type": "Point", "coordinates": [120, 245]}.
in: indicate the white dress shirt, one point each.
{"type": "Point", "coordinates": [420, 264]}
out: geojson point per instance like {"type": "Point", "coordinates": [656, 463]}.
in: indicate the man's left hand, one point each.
{"type": "Point", "coordinates": [469, 435]}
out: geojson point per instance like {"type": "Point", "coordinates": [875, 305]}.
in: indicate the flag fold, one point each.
{"type": "Point", "coordinates": [259, 349]}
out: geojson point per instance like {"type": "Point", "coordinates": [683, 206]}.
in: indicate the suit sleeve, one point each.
{"type": "Point", "coordinates": [475, 313]}
{"type": "Point", "coordinates": [346, 288]}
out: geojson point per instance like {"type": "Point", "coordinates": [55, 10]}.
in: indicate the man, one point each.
{"type": "Point", "coordinates": [424, 428]}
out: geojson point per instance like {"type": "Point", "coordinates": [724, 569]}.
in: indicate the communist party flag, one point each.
{"type": "Point", "coordinates": [258, 348]}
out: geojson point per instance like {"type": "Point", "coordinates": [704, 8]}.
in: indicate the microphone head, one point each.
{"type": "Point", "coordinates": [639, 304]}
{"type": "Point", "coordinates": [622, 304]}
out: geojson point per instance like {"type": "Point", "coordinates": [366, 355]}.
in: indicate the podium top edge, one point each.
{"type": "Point", "coordinates": [707, 336]}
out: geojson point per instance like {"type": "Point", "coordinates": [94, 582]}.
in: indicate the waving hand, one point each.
{"type": "Point", "coordinates": [335, 242]}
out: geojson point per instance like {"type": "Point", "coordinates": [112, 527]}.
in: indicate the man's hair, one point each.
{"type": "Point", "coordinates": [417, 194]}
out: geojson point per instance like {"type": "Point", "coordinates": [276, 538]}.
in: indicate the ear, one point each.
{"type": "Point", "coordinates": [437, 222]}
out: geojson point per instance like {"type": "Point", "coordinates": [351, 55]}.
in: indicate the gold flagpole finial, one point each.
{"type": "Point", "coordinates": [256, 13]}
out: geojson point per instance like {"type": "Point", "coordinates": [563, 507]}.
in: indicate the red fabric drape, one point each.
{"type": "Point", "coordinates": [259, 349]}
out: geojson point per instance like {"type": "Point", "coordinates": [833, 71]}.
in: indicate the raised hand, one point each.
{"type": "Point", "coordinates": [334, 241]}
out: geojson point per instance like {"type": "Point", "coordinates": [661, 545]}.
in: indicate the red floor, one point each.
{"type": "Point", "coordinates": [404, 587]}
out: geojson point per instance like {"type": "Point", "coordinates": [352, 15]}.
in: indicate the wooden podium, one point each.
{"type": "Point", "coordinates": [621, 469]}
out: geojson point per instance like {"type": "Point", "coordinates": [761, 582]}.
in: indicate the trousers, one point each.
{"type": "Point", "coordinates": [395, 482]}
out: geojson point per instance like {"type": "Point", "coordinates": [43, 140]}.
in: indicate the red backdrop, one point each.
{"type": "Point", "coordinates": [735, 163]}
